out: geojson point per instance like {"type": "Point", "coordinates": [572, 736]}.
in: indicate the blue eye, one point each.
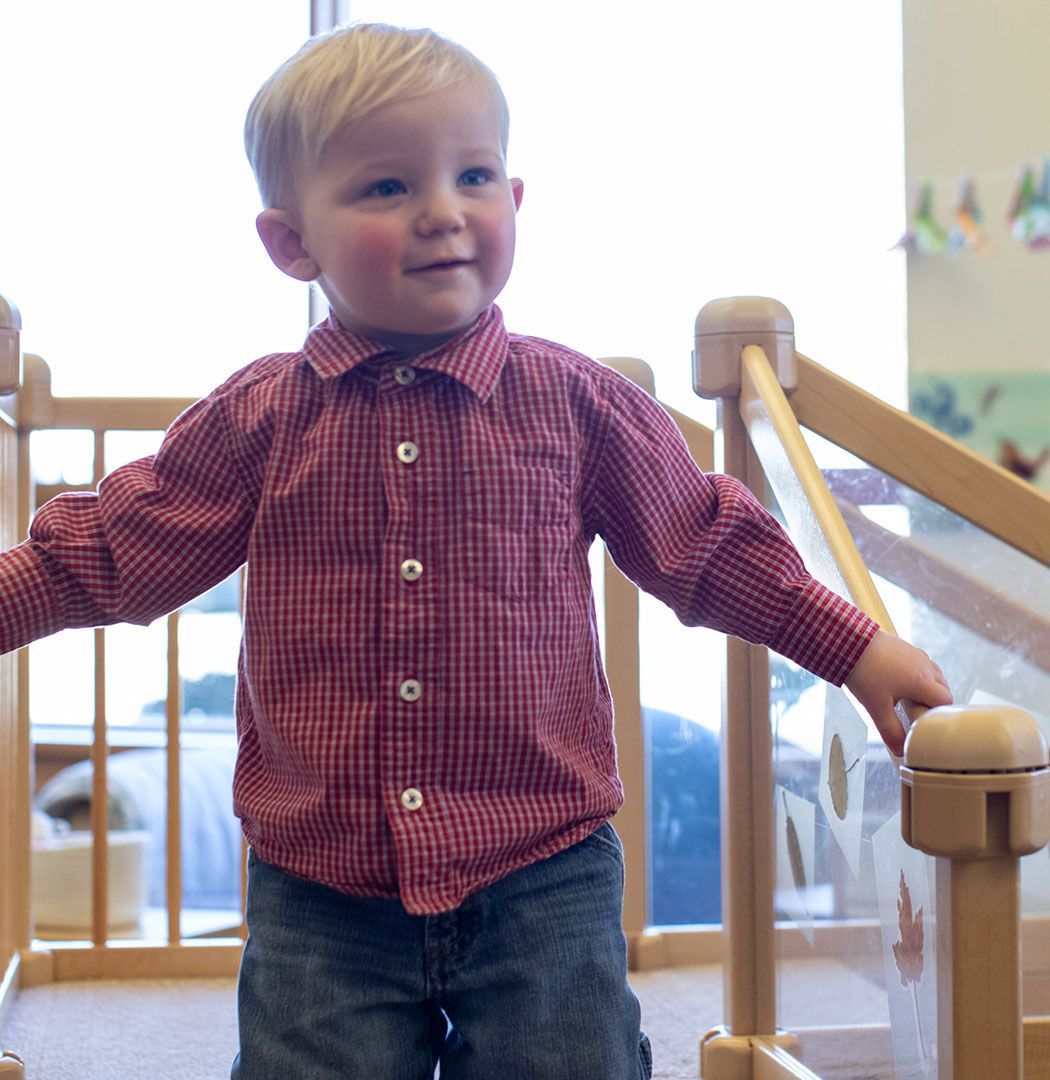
{"type": "Point", "coordinates": [385, 188]}
{"type": "Point", "coordinates": [475, 177]}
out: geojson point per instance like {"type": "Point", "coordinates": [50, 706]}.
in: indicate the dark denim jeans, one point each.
{"type": "Point", "coordinates": [527, 980]}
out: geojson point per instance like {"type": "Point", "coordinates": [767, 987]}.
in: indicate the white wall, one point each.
{"type": "Point", "coordinates": [977, 101]}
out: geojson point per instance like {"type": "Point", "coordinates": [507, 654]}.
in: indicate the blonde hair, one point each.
{"type": "Point", "coordinates": [338, 78]}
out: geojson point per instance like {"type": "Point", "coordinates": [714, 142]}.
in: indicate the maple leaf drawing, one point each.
{"type": "Point", "coordinates": [908, 955]}
{"type": "Point", "coordinates": [908, 951]}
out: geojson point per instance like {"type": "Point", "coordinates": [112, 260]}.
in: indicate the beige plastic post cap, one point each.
{"type": "Point", "coordinates": [10, 347]}
{"type": "Point", "coordinates": [724, 327]}
{"type": "Point", "coordinates": [11, 1066]}
{"type": "Point", "coordinates": [968, 738]}
{"type": "Point", "coordinates": [10, 319]}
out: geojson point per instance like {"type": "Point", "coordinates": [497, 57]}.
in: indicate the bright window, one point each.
{"type": "Point", "coordinates": [127, 206]}
{"type": "Point", "coordinates": [677, 153]}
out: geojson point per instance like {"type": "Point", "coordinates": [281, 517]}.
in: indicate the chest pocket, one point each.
{"type": "Point", "coordinates": [519, 497]}
{"type": "Point", "coordinates": [518, 531]}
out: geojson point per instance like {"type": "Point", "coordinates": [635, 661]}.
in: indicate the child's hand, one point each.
{"type": "Point", "coordinates": [888, 671]}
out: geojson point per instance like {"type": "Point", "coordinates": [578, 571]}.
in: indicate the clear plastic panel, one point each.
{"type": "Point", "coordinates": [977, 605]}
{"type": "Point", "coordinates": [680, 676]}
{"type": "Point", "coordinates": [680, 689]}
{"type": "Point", "coordinates": [857, 904]}
{"type": "Point", "coordinates": [854, 903]}
{"type": "Point", "coordinates": [209, 638]}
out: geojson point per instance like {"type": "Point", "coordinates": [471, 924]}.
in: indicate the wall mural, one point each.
{"type": "Point", "coordinates": [1004, 416]}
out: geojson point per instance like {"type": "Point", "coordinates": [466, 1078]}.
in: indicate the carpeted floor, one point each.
{"type": "Point", "coordinates": [186, 1029]}
{"type": "Point", "coordinates": [134, 1030]}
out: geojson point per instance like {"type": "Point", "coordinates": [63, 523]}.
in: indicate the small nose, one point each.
{"type": "Point", "coordinates": [440, 212]}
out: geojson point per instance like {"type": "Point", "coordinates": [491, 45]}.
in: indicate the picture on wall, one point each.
{"type": "Point", "coordinates": [1003, 416]}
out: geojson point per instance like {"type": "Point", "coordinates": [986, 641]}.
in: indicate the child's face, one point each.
{"type": "Point", "coordinates": [408, 223]}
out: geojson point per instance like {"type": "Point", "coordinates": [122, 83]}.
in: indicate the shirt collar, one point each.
{"type": "Point", "coordinates": [475, 357]}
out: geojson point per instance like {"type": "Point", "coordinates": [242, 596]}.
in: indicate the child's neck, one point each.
{"type": "Point", "coordinates": [414, 344]}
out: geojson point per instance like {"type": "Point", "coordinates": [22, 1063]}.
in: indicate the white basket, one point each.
{"type": "Point", "coordinates": [62, 880]}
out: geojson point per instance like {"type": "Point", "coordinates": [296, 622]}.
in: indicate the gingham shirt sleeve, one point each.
{"type": "Point", "coordinates": [705, 546]}
{"type": "Point", "coordinates": [156, 533]}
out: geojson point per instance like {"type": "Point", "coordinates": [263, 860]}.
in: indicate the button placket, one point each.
{"type": "Point", "coordinates": [403, 535]}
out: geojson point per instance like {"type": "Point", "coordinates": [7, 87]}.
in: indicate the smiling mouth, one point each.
{"type": "Point", "coordinates": [450, 264]}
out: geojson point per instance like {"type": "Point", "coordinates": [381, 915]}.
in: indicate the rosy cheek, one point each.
{"type": "Point", "coordinates": [376, 248]}
{"type": "Point", "coordinates": [499, 238]}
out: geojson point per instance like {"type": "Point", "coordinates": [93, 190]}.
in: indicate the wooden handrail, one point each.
{"type": "Point", "coordinates": [103, 414]}
{"type": "Point", "coordinates": [698, 437]}
{"type": "Point", "coordinates": [799, 485]}
{"type": "Point", "coordinates": [904, 448]}
{"type": "Point", "coordinates": [918, 455]}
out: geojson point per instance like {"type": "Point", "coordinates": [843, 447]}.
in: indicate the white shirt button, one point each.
{"type": "Point", "coordinates": [410, 690]}
{"type": "Point", "coordinates": [412, 798]}
{"type": "Point", "coordinates": [404, 375]}
{"type": "Point", "coordinates": [407, 452]}
{"type": "Point", "coordinates": [411, 569]}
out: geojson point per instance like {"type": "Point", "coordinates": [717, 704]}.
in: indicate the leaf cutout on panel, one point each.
{"type": "Point", "coordinates": [908, 951]}
{"type": "Point", "coordinates": [837, 771]}
{"type": "Point", "coordinates": [798, 867]}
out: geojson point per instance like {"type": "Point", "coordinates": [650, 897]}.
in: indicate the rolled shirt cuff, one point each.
{"type": "Point", "coordinates": [29, 608]}
{"type": "Point", "coordinates": [825, 634]}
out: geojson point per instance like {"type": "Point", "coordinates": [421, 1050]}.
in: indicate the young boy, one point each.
{"type": "Point", "coordinates": [426, 767]}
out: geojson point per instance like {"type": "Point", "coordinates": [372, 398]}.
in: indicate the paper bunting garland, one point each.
{"type": "Point", "coordinates": [1029, 213]}
{"type": "Point", "coordinates": [968, 234]}
{"type": "Point", "coordinates": [923, 233]}
{"type": "Point", "coordinates": [1028, 217]}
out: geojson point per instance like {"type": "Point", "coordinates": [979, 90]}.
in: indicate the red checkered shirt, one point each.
{"type": "Point", "coordinates": [421, 705]}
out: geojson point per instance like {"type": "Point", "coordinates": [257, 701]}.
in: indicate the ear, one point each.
{"type": "Point", "coordinates": [517, 187]}
{"type": "Point", "coordinates": [284, 244]}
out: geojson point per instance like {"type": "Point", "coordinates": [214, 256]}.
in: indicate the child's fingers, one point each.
{"type": "Point", "coordinates": [939, 677]}
{"type": "Point", "coordinates": [932, 692]}
{"type": "Point", "coordinates": [891, 729]}
{"type": "Point", "coordinates": [936, 690]}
